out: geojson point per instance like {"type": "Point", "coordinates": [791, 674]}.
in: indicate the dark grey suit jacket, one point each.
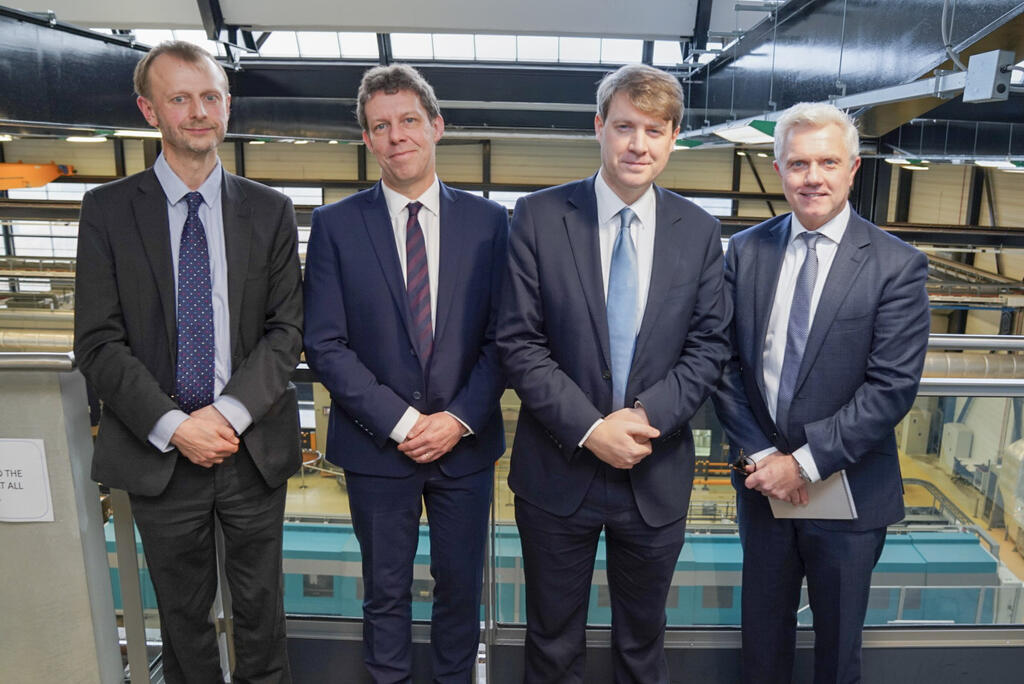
{"type": "Point", "coordinates": [126, 334]}
{"type": "Point", "coordinates": [861, 366]}
{"type": "Point", "coordinates": [553, 337]}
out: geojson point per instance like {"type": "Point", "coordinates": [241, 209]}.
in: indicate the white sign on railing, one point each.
{"type": "Point", "coordinates": [24, 482]}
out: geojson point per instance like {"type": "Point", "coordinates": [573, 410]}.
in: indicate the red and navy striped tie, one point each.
{"type": "Point", "coordinates": [417, 283]}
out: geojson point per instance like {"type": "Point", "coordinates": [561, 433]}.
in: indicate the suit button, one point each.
{"type": "Point", "coordinates": [417, 395]}
{"type": "Point", "coordinates": [412, 352]}
{"type": "Point", "coordinates": [606, 374]}
{"type": "Point", "coordinates": [774, 436]}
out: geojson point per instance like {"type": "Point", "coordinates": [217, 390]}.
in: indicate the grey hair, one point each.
{"type": "Point", "coordinates": [816, 115]}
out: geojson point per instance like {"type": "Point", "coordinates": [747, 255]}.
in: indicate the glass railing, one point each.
{"type": "Point", "coordinates": [956, 561]}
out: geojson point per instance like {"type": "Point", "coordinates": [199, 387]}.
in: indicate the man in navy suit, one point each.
{"type": "Point", "coordinates": [402, 286]}
{"type": "Point", "coordinates": [612, 331]}
{"type": "Point", "coordinates": [829, 333]}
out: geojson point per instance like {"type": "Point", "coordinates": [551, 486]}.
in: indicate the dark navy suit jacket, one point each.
{"type": "Point", "coordinates": [553, 335]}
{"type": "Point", "coordinates": [861, 366]}
{"type": "Point", "coordinates": [358, 331]}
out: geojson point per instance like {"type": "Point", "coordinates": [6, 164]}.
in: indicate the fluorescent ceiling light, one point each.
{"type": "Point", "coordinates": [257, 142]}
{"type": "Point", "coordinates": [995, 163]}
{"type": "Point", "coordinates": [125, 133]}
{"type": "Point", "coordinates": [86, 138]}
{"type": "Point", "coordinates": [301, 142]}
{"type": "Point", "coordinates": [756, 132]}
{"type": "Point", "coordinates": [332, 142]}
{"type": "Point", "coordinates": [915, 167]}
{"type": "Point", "coordinates": [896, 160]}
{"type": "Point", "coordinates": [762, 154]}
{"type": "Point", "coordinates": [741, 153]}
{"type": "Point", "coordinates": [5, 138]}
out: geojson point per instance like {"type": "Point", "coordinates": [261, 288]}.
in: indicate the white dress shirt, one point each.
{"type": "Point", "coordinates": [775, 338]}
{"type": "Point", "coordinates": [641, 232]}
{"type": "Point", "coordinates": [429, 218]}
{"type": "Point", "coordinates": [211, 215]}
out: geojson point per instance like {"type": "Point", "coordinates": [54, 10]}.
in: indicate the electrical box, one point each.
{"type": "Point", "coordinates": [913, 431]}
{"type": "Point", "coordinates": [988, 76]}
{"type": "Point", "coordinates": [956, 445]}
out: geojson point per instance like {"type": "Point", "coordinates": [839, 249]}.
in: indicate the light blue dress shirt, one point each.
{"type": "Point", "coordinates": [211, 214]}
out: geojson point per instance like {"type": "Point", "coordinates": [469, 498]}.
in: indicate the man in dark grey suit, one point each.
{"type": "Point", "coordinates": [188, 327]}
{"type": "Point", "coordinates": [829, 330]}
{"type": "Point", "coordinates": [612, 332]}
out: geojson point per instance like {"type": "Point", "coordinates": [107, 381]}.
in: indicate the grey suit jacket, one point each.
{"type": "Point", "coordinates": [860, 369]}
{"type": "Point", "coordinates": [126, 336]}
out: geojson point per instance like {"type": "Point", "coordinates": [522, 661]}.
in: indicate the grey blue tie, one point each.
{"type": "Point", "coordinates": [622, 307]}
{"type": "Point", "coordinates": [195, 366]}
{"type": "Point", "coordinates": [796, 333]}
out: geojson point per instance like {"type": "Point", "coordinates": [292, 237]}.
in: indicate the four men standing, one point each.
{"type": "Point", "coordinates": [613, 328]}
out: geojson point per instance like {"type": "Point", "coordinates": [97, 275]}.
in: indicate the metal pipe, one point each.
{"type": "Point", "coordinates": [980, 342]}
{"type": "Point", "coordinates": [37, 319]}
{"type": "Point", "coordinates": [35, 341]}
{"type": "Point", "coordinates": [947, 365]}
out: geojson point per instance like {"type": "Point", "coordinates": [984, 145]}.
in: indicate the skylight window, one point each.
{"type": "Point", "coordinates": [537, 48]}
{"type": "Point", "coordinates": [412, 46]}
{"type": "Point", "coordinates": [495, 48]}
{"type": "Point", "coordinates": [454, 46]}
{"type": "Point", "coordinates": [667, 53]}
{"type": "Point", "coordinates": [358, 45]}
{"type": "Point", "coordinates": [314, 44]}
{"type": "Point", "coordinates": [581, 50]}
{"type": "Point", "coordinates": [621, 51]}
{"type": "Point", "coordinates": [280, 44]}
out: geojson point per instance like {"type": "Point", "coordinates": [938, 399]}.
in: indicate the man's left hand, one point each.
{"type": "Point", "coordinates": [778, 476]}
{"type": "Point", "coordinates": [432, 437]}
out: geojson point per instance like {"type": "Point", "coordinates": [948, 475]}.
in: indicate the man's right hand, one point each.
{"type": "Point", "coordinates": [621, 443]}
{"type": "Point", "coordinates": [205, 442]}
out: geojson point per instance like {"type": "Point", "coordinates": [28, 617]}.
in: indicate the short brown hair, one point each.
{"type": "Point", "coordinates": [391, 79]}
{"type": "Point", "coordinates": [651, 90]}
{"type": "Point", "coordinates": [183, 50]}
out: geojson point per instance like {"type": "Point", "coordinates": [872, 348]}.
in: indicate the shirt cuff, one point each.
{"type": "Point", "coordinates": [806, 461]}
{"type": "Point", "coordinates": [404, 424]}
{"type": "Point", "coordinates": [160, 435]}
{"type": "Point", "coordinates": [592, 428]}
{"type": "Point", "coordinates": [235, 413]}
{"type": "Point", "coordinates": [468, 431]}
{"type": "Point", "coordinates": [761, 454]}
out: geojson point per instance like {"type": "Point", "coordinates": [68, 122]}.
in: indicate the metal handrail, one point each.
{"type": "Point", "coordinates": [977, 342]}
{"type": "Point", "coordinates": [61, 362]}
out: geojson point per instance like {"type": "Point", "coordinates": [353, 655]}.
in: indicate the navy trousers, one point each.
{"type": "Point", "coordinates": [386, 517]}
{"type": "Point", "coordinates": [777, 555]}
{"type": "Point", "coordinates": [558, 560]}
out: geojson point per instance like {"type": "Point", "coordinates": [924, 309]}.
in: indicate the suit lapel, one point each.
{"type": "Point", "coordinates": [382, 236]}
{"type": "Point", "coordinates": [581, 226]}
{"type": "Point", "coordinates": [771, 250]}
{"type": "Point", "coordinates": [150, 208]}
{"type": "Point", "coordinates": [449, 271]}
{"type": "Point", "coordinates": [237, 218]}
{"type": "Point", "coordinates": [668, 255]}
{"type": "Point", "coordinates": [846, 265]}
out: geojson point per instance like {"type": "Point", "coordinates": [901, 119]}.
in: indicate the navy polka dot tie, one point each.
{"type": "Point", "coordinates": [417, 283]}
{"type": "Point", "coordinates": [195, 368]}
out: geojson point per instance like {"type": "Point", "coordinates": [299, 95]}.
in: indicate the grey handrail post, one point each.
{"type": "Point", "coordinates": [131, 586]}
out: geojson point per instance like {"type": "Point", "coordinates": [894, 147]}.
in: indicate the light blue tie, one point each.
{"type": "Point", "coordinates": [796, 333]}
{"type": "Point", "coordinates": [622, 307]}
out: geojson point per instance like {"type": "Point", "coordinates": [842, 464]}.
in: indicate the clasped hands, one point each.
{"type": "Point", "coordinates": [623, 438]}
{"type": "Point", "coordinates": [777, 475]}
{"type": "Point", "coordinates": [431, 437]}
{"type": "Point", "coordinates": [206, 437]}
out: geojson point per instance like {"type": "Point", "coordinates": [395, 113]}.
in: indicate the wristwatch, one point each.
{"type": "Point", "coordinates": [803, 473]}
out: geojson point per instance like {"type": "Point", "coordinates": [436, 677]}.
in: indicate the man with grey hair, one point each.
{"type": "Point", "coordinates": [402, 283]}
{"type": "Point", "coordinates": [829, 333]}
{"type": "Point", "coordinates": [612, 347]}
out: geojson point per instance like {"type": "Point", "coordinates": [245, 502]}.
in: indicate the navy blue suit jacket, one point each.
{"type": "Point", "coordinates": [553, 335]}
{"type": "Point", "coordinates": [358, 331]}
{"type": "Point", "coordinates": [861, 366]}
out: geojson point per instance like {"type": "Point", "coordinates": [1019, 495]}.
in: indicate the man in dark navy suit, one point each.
{"type": "Point", "coordinates": [402, 284]}
{"type": "Point", "coordinates": [829, 330]}
{"type": "Point", "coordinates": [612, 331]}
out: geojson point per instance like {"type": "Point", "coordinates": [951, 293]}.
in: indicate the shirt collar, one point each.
{"type": "Point", "coordinates": [833, 229]}
{"type": "Point", "coordinates": [430, 199]}
{"type": "Point", "coordinates": [609, 204]}
{"type": "Point", "coordinates": [175, 188]}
